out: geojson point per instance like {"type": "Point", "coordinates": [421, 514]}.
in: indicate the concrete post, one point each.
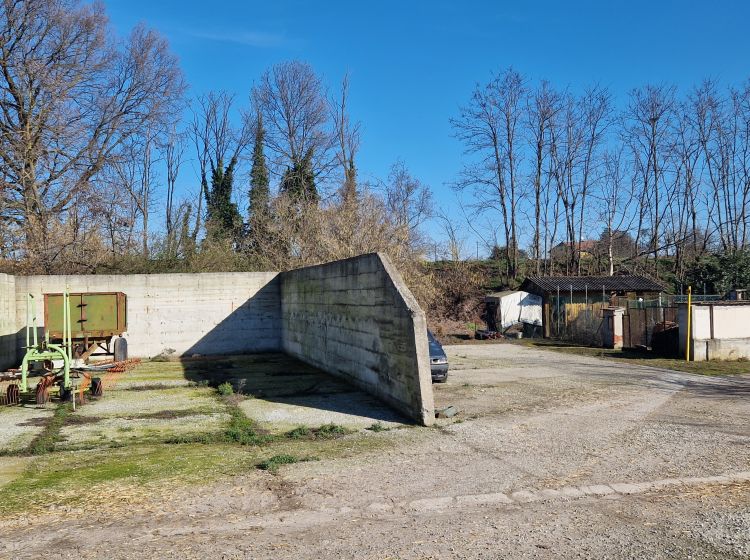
{"type": "Point", "coordinates": [612, 327]}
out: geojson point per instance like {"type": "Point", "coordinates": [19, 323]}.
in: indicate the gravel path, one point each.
{"type": "Point", "coordinates": [552, 456]}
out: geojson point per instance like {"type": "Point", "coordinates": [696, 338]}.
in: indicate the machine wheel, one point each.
{"type": "Point", "coordinates": [120, 349]}
{"type": "Point", "coordinates": [42, 393]}
{"type": "Point", "coordinates": [97, 387]}
{"type": "Point", "coordinates": [65, 394]}
{"type": "Point", "coordinates": [12, 395]}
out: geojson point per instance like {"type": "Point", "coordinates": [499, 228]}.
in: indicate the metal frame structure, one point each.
{"type": "Point", "coordinates": [44, 351]}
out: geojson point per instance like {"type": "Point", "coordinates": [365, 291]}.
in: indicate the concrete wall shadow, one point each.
{"type": "Point", "coordinates": [251, 327]}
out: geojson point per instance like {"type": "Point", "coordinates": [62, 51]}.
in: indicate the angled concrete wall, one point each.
{"type": "Point", "coordinates": [7, 321]}
{"type": "Point", "coordinates": [353, 318]}
{"type": "Point", "coordinates": [212, 313]}
{"type": "Point", "coordinates": [356, 319]}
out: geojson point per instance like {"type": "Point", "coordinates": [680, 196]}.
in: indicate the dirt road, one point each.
{"type": "Point", "coordinates": [552, 456]}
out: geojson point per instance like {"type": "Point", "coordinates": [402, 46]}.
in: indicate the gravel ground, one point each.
{"type": "Point", "coordinates": [552, 456]}
{"type": "Point", "coordinates": [19, 425]}
{"type": "Point", "coordinates": [125, 403]}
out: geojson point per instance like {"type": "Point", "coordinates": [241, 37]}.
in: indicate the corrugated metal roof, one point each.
{"type": "Point", "coordinates": [625, 283]}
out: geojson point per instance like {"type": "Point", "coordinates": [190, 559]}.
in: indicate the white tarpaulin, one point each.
{"type": "Point", "coordinates": [519, 307]}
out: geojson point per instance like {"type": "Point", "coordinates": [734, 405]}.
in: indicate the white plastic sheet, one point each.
{"type": "Point", "coordinates": [520, 307]}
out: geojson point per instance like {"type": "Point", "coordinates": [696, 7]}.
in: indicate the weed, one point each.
{"type": "Point", "coordinates": [225, 389]}
{"type": "Point", "coordinates": [377, 427]}
{"type": "Point", "coordinates": [331, 431]}
{"type": "Point", "coordinates": [272, 465]}
{"type": "Point", "coordinates": [299, 432]}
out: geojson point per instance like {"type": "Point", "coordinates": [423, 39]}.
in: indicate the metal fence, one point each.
{"type": "Point", "coordinates": [581, 322]}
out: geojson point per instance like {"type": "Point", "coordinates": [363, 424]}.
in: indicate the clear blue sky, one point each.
{"type": "Point", "coordinates": [412, 64]}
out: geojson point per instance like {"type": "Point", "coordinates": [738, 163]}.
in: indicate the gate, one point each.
{"type": "Point", "coordinates": [638, 323]}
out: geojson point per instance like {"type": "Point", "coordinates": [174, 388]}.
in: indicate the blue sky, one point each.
{"type": "Point", "coordinates": [411, 64]}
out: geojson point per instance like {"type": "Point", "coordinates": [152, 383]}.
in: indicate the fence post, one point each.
{"type": "Point", "coordinates": [689, 313]}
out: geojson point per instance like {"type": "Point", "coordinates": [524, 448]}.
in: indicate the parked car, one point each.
{"type": "Point", "coordinates": [438, 360]}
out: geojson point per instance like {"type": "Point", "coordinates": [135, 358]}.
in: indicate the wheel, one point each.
{"type": "Point", "coordinates": [97, 387]}
{"type": "Point", "coordinates": [65, 394]}
{"type": "Point", "coordinates": [121, 349]}
{"type": "Point", "coordinates": [12, 395]}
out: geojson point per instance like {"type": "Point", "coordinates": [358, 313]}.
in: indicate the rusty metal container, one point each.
{"type": "Point", "coordinates": [97, 318]}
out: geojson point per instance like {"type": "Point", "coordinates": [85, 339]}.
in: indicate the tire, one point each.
{"type": "Point", "coordinates": [97, 389]}
{"type": "Point", "coordinates": [65, 394]}
{"type": "Point", "coordinates": [12, 395]}
{"type": "Point", "coordinates": [120, 349]}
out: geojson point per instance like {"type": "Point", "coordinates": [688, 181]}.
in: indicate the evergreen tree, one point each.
{"type": "Point", "coordinates": [299, 181]}
{"type": "Point", "coordinates": [222, 215]}
{"type": "Point", "coordinates": [260, 193]}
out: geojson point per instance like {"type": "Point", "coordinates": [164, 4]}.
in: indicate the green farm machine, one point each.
{"type": "Point", "coordinates": [76, 326]}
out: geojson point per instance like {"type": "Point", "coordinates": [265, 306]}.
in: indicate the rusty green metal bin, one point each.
{"type": "Point", "coordinates": [98, 321]}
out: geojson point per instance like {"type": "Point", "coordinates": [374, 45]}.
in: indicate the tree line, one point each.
{"type": "Point", "coordinates": [99, 135]}
{"type": "Point", "coordinates": [657, 184]}
{"type": "Point", "coordinates": [95, 145]}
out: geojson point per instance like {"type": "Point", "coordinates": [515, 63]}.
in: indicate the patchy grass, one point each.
{"type": "Point", "coordinates": [331, 431]}
{"type": "Point", "coordinates": [377, 427]}
{"type": "Point", "coordinates": [272, 465]}
{"type": "Point", "coordinates": [177, 431]}
{"type": "Point", "coordinates": [45, 442]}
{"type": "Point", "coordinates": [644, 358]}
{"type": "Point", "coordinates": [300, 432]}
{"type": "Point", "coordinates": [92, 477]}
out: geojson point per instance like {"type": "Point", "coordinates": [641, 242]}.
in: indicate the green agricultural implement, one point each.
{"type": "Point", "coordinates": [75, 326]}
{"type": "Point", "coordinates": [55, 359]}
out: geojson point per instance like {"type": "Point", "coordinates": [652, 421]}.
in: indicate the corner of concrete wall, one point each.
{"type": "Point", "coordinates": [7, 321]}
{"type": "Point", "coordinates": [356, 318]}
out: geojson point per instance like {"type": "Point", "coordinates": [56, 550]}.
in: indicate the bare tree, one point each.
{"type": "Point", "coordinates": [488, 127]}
{"type": "Point", "coordinates": [71, 97]}
{"type": "Point", "coordinates": [218, 142]}
{"type": "Point", "coordinates": [296, 115]}
{"type": "Point", "coordinates": [647, 129]}
{"type": "Point", "coordinates": [409, 202]}
{"type": "Point", "coordinates": [541, 108]}
{"type": "Point", "coordinates": [347, 138]}
{"type": "Point", "coordinates": [616, 200]}
{"type": "Point", "coordinates": [173, 150]}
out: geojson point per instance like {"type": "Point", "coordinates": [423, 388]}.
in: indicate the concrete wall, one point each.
{"type": "Point", "coordinates": [7, 321]}
{"type": "Point", "coordinates": [356, 318]}
{"type": "Point", "coordinates": [718, 331]}
{"type": "Point", "coordinates": [213, 313]}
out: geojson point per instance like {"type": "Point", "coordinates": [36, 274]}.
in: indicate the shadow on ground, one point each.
{"type": "Point", "coordinates": [288, 391]}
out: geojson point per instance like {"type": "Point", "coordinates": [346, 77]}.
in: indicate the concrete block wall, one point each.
{"type": "Point", "coordinates": [211, 313]}
{"type": "Point", "coordinates": [356, 319]}
{"type": "Point", "coordinates": [8, 326]}
{"type": "Point", "coordinates": [718, 331]}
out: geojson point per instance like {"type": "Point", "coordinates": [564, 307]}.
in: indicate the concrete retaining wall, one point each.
{"type": "Point", "coordinates": [7, 321]}
{"type": "Point", "coordinates": [214, 313]}
{"type": "Point", "coordinates": [356, 318]}
{"type": "Point", "coordinates": [718, 331]}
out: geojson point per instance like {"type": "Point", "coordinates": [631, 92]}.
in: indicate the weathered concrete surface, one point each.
{"type": "Point", "coordinates": [7, 321]}
{"type": "Point", "coordinates": [356, 318]}
{"type": "Point", "coordinates": [184, 314]}
{"type": "Point", "coordinates": [718, 331]}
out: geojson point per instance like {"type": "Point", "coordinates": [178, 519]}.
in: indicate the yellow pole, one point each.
{"type": "Point", "coordinates": [689, 314]}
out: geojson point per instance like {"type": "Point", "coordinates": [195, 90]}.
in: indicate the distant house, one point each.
{"type": "Point", "coordinates": [582, 289]}
{"type": "Point", "coordinates": [586, 249]}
